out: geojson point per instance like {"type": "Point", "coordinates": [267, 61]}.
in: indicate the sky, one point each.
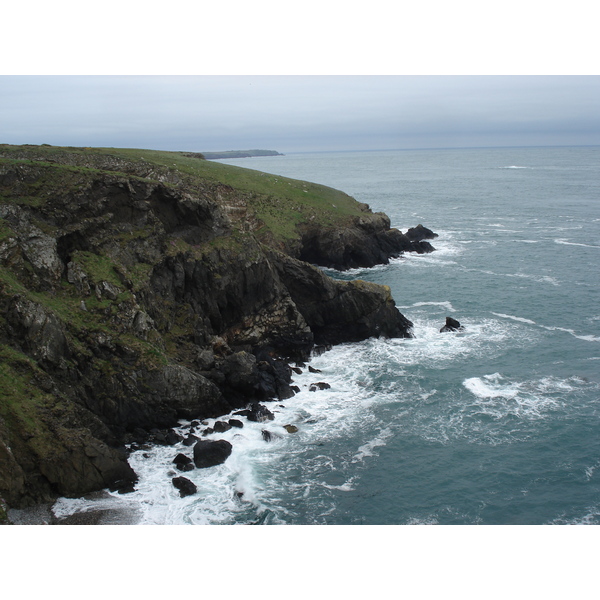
{"type": "Point", "coordinates": [300, 113]}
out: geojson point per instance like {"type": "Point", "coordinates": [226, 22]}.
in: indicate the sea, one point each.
{"type": "Point", "coordinates": [498, 424]}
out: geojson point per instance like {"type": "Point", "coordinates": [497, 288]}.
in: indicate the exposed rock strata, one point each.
{"type": "Point", "coordinates": [130, 298]}
{"type": "Point", "coordinates": [369, 241]}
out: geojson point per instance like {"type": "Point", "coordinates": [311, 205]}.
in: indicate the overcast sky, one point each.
{"type": "Point", "coordinates": [300, 113]}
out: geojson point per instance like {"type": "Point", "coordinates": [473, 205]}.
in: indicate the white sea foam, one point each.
{"type": "Point", "coordinates": [368, 449]}
{"type": "Point", "coordinates": [585, 338]}
{"type": "Point", "coordinates": [565, 243]}
{"type": "Point", "coordinates": [446, 305]}
{"type": "Point", "coordinates": [513, 318]}
{"type": "Point", "coordinates": [589, 471]}
{"type": "Point", "coordinates": [499, 398]}
{"type": "Point", "coordinates": [65, 507]}
{"type": "Point", "coordinates": [538, 278]}
{"type": "Point", "coordinates": [590, 517]}
{"type": "Point", "coordinates": [515, 167]}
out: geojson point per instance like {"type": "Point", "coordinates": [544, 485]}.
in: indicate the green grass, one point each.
{"type": "Point", "coordinates": [279, 202]}
{"type": "Point", "coordinates": [97, 267]}
{"type": "Point", "coordinates": [20, 400]}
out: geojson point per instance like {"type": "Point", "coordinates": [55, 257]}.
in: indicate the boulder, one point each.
{"type": "Point", "coordinates": [221, 426]}
{"type": "Point", "coordinates": [269, 436]}
{"type": "Point", "coordinates": [320, 385]}
{"type": "Point", "coordinates": [290, 428]}
{"type": "Point", "coordinates": [257, 413]}
{"type": "Point", "coordinates": [172, 438]}
{"type": "Point", "coordinates": [313, 370]}
{"type": "Point", "coordinates": [451, 325]}
{"type": "Point", "coordinates": [236, 423]}
{"type": "Point", "coordinates": [190, 440]}
{"type": "Point", "coordinates": [185, 486]}
{"type": "Point", "coordinates": [181, 460]}
{"type": "Point", "coordinates": [211, 453]}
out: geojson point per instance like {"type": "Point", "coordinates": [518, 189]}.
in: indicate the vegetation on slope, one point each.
{"type": "Point", "coordinates": [279, 203]}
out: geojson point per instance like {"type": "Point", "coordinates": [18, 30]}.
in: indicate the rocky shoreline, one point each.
{"type": "Point", "coordinates": [129, 302]}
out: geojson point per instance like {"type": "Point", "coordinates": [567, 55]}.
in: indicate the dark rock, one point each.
{"type": "Point", "coordinates": [269, 436]}
{"type": "Point", "coordinates": [221, 426]}
{"type": "Point", "coordinates": [211, 453]}
{"type": "Point", "coordinates": [172, 438]}
{"type": "Point", "coordinates": [158, 437]}
{"type": "Point", "coordinates": [290, 428]}
{"type": "Point", "coordinates": [419, 233]}
{"type": "Point", "coordinates": [313, 370]}
{"type": "Point", "coordinates": [451, 325]}
{"type": "Point", "coordinates": [295, 389]}
{"type": "Point", "coordinates": [190, 440]}
{"type": "Point", "coordinates": [297, 370]}
{"type": "Point", "coordinates": [256, 413]}
{"type": "Point", "coordinates": [366, 242]}
{"type": "Point", "coordinates": [236, 423]}
{"type": "Point", "coordinates": [185, 486]}
{"type": "Point", "coordinates": [321, 349]}
{"type": "Point", "coordinates": [186, 467]}
{"type": "Point", "coordinates": [321, 385]}
{"type": "Point", "coordinates": [140, 435]}
{"type": "Point", "coordinates": [341, 311]}
{"type": "Point", "coordinates": [182, 459]}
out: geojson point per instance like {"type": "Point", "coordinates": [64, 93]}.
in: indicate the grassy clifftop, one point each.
{"type": "Point", "coordinates": [278, 203]}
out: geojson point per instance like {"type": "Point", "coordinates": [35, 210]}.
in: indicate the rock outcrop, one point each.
{"type": "Point", "coordinates": [451, 325]}
{"type": "Point", "coordinates": [367, 241]}
{"type": "Point", "coordinates": [134, 294]}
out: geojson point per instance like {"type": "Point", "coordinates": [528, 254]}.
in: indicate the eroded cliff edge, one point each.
{"type": "Point", "coordinates": [138, 288]}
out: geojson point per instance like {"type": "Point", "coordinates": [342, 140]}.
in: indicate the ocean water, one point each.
{"type": "Point", "coordinates": [499, 424]}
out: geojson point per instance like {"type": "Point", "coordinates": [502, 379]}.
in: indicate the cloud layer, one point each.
{"type": "Point", "coordinates": [300, 113]}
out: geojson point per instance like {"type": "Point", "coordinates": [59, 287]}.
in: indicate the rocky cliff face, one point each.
{"type": "Point", "coordinates": [133, 295]}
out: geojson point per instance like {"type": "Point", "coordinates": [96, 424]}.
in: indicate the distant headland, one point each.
{"type": "Point", "coordinates": [240, 154]}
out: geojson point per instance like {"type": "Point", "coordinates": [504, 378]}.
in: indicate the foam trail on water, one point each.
{"type": "Point", "coordinates": [447, 305]}
{"type": "Point", "coordinates": [585, 338]}
{"type": "Point", "coordinates": [520, 319]}
{"type": "Point", "coordinates": [565, 243]}
{"type": "Point", "coordinates": [367, 449]}
{"type": "Point", "coordinates": [500, 398]}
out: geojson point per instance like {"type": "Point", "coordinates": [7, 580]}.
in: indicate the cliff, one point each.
{"type": "Point", "coordinates": [140, 287]}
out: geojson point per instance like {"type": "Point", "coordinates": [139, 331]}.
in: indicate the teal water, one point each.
{"type": "Point", "coordinates": [499, 424]}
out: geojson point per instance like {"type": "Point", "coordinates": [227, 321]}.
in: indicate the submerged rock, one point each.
{"type": "Point", "coordinates": [269, 436]}
{"type": "Point", "coordinates": [290, 428]}
{"type": "Point", "coordinates": [321, 385]}
{"type": "Point", "coordinates": [257, 413]}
